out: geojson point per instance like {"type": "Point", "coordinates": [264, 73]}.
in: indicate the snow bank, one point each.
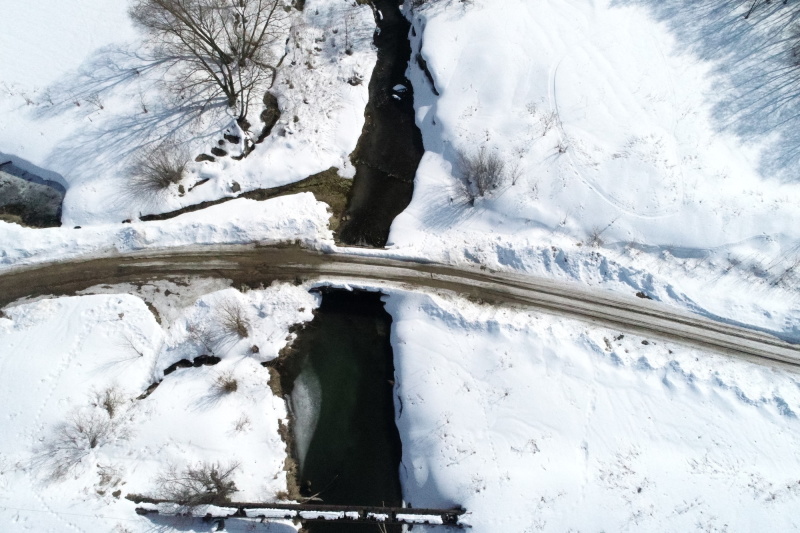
{"type": "Point", "coordinates": [59, 356]}
{"type": "Point", "coordinates": [533, 422]}
{"type": "Point", "coordinates": [286, 218]}
{"type": "Point", "coordinates": [621, 169]}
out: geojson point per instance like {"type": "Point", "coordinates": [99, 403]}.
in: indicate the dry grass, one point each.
{"type": "Point", "coordinates": [232, 319]}
{"type": "Point", "coordinates": [152, 174]}
{"type": "Point", "coordinates": [225, 383]}
{"type": "Point", "coordinates": [110, 399]}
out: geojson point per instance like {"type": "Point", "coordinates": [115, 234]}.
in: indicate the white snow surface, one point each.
{"type": "Point", "coordinates": [57, 355]}
{"type": "Point", "coordinates": [80, 103]}
{"type": "Point", "coordinates": [652, 152]}
{"type": "Point", "coordinates": [419, 519]}
{"type": "Point", "coordinates": [297, 217]}
{"type": "Point", "coordinates": [539, 423]}
{"type": "Point", "coordinates": [679, 175]}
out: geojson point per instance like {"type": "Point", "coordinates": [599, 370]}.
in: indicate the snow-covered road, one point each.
{"type": "Point", "coordinates": [254, 264]}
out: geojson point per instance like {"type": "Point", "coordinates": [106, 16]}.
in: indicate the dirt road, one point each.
{"type": "Point", "coordinates": [249, 264]}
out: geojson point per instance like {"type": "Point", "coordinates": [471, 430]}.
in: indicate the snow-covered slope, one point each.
{"type": "Point", "coordinates": [59, 357]}
{"type": "Point", "coordinates": [623, 166]}
{"type": "Point", "coordinates": [537, 423]}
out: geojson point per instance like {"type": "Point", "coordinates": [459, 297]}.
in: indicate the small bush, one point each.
{"type": "Point", "coordinates": [241, 423]}
{"type": "Point", "coordinates": [225, 383]}
{"type": "Point", "coordinates": [202, 337]}
{"type": "Point", "coordinates": [480, 173]}
{"type": "Point", "coordinates": [232, 318]}
{"type": "Point", "coordinates": [152, 173]}
{"type": "Point", "coordinates": [74, 439]}
{"type": "Point", "coordinates": [110, 400]}
{"type": "Point", "coordinates": [204, 483]}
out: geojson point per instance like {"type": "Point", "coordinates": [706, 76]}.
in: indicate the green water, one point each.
{"type": "Point", "coordinates": [342, 399]}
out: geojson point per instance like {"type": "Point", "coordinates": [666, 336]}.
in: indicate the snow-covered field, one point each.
{"type": "Point", "coordinates": [537, 423]}
{"type": "Point", "coordinates": [654, 145]}
{"type": "Point", "coordinates": [59, 358]}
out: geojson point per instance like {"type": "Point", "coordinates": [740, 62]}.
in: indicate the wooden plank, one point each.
{"type": "Point", "coordinates": [305, 512]}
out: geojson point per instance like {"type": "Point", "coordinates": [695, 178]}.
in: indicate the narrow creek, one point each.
{"type": "Point", "coordinates": [339, 381]}
{"type": "Point", "coordinates": [390, 146]}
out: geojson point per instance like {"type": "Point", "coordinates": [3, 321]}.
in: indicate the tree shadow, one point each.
{"type": "Point", "coordinates": [120, 96]}
{"type": "Point", "coordinates": [756, 66]}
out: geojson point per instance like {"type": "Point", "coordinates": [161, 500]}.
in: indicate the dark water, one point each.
{"type": "Point", "coordinates": [390, 146]}
{"type": "Point", "coordinates": [346, 439]}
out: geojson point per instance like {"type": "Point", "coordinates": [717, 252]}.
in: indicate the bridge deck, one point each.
{"type": "Point", "coordinates": [304, 512]}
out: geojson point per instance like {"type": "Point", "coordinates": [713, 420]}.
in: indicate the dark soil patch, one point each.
{"type": "Point", "coordinates": [327, 186]}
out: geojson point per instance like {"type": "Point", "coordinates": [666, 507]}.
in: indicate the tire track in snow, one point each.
{"type": "Point", "coordinates": [243, 264]}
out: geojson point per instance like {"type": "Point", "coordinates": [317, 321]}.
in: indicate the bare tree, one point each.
{"type": "Point", "coordinates": [217, 48]}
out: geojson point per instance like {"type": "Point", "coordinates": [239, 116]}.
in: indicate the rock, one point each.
{"type": "Point", "coordinates": [235, 187]}
{"type": "Point", "coordinates": [219, 152]}
{"type": "Point", "coordinates": [243, 123]}
{"type": "Point", "coordinates": [204, 157]}
{"type": "Point", "coordinates": [271, 113]}
{"type": "Point", "coordinates": [233, 139]}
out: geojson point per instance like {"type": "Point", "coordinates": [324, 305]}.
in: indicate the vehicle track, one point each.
{"type": "Point", "coordinates": [252, 265]}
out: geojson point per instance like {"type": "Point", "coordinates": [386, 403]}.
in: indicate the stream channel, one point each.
{"type": "Point", "coordinates": [339, 375]}
{"type": "Point", "coordinates": [390, 147]}
{"type": "Point", "coordinates": [339, 381]}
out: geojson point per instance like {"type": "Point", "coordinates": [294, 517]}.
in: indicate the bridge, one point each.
{"type": "Point", "coordinates": [303, 512]}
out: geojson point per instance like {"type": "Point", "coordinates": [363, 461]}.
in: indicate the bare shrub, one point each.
{"type": "Point", "coordinates": [596, 236]}
{"type": "Point", "coordinates": [232, 318]}
{"type": "Point", "coordinates": [225, 383]}
{"type": "Point", "coordinates": [73, 440]}
{"type": "Point", "coordinates": [202, 337]}
{"type": "Point", "coordinates": [241, 423]}
{"type": "Point", "coordinates": [152, 173]}
{"type": "Point", "coordinates": [203, 483]}
{"type": "Point", "coordinates": [110, 400]}
{"type": "Point", "coordinates": [480, 173]}
{"type": "Point", "coordinates": [548, 120]}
